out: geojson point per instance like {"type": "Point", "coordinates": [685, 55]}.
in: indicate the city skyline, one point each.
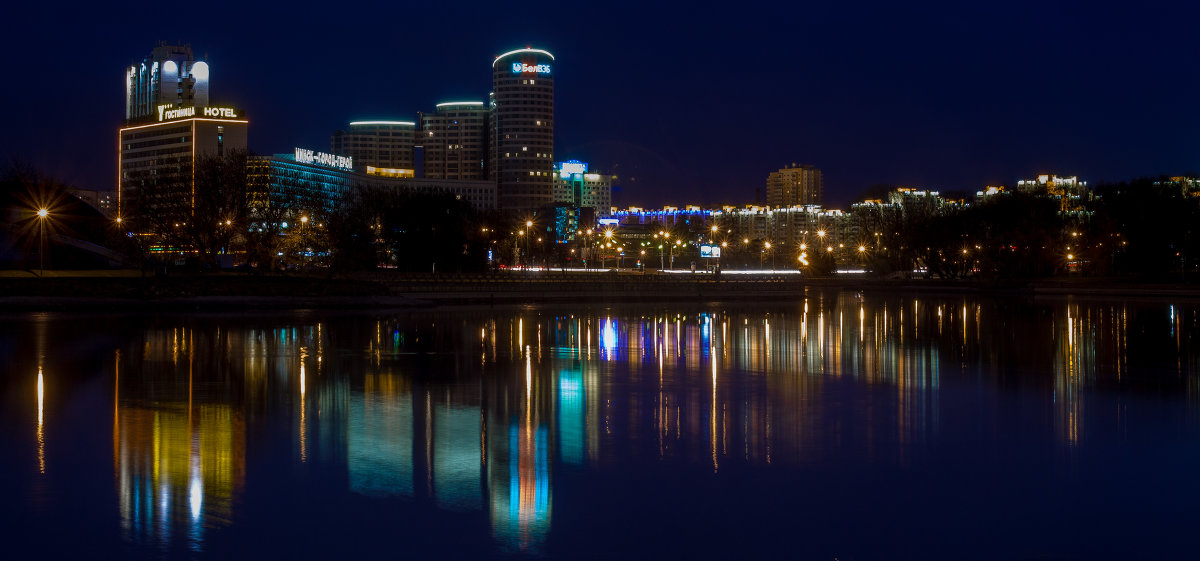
{"type": "Point", "coordinates": [949, 100]}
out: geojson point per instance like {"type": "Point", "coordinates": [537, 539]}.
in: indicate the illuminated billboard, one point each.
{"type": "Point", "coordinates": [522, 68]}
{"type": "Point", "coordinates": [306, 156]}
{"type": "Point", "coordinates": [171, 112]}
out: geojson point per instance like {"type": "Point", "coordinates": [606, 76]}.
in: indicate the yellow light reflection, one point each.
{"type": "Point", "coordinates": [41, 431]}
{"type": "Point", "coordinates": [713, 416]}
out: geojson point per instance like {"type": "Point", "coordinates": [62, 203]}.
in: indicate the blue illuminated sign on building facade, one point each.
{"type": "Point", "coordinates": [522, 68]}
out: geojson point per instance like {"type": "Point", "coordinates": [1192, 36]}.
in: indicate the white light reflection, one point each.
{"type": "Point", "coordinates": [609, 337]}
{"type": "Point", "coordinates": [196, 493]}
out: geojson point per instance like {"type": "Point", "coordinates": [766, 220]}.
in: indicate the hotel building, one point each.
{"type": "Point", "coordinates": [795, 185]}
{"type": "Point", "coordinates": [387, 145]}
{"type": "Point", "coordinates": [453, 141]}
{"type": "Point", "coordinates": [169, 124]}
{"type": "Point", "coordinates": [168, 77]}
{"type": "Point", "coordinates": [522, 129]}
{"type": "Point", "coordinates": [157, 154]}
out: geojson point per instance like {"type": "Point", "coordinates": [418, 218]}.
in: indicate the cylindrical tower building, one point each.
{"type": "Point", "coordinates": [522, 129]}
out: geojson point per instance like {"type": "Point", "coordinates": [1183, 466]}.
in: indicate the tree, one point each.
{"type": "Point", "coordinates": [405, 229]}
{"type": "Point", "coordinates": [287, 213]}
{"type": "Point", "coordinates": [1150, 227]}
{"type": "Point", "coordinates": [195, 208]}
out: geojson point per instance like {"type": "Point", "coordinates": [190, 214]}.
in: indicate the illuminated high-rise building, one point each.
{"type": "Point", "coordinates": [522, 129]}
{"type": "Point", "coordinates": [453, 141]}
{"type": "Point", "coordinates": [574, 186]}
{"type": "Point", "coordinates": [795, 185]}
{"type": "Point", "coordinates": [378, 144]}
{"type": "Point", "coordinates": [169, 125]}
{"type": "Point", "coordinates": [170, 76]}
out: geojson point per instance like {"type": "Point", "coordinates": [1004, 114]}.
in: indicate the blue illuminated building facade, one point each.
{"type": "Point", "coordinates": [306, 182]}
{"type": "Point", "coordinates": [306, 187]}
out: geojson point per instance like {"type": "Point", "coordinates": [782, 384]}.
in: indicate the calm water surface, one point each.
{"type": "Point", "coordinates": [843, 427]}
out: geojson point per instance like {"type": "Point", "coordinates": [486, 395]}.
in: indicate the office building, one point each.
{"type": "Point", "coordinates": [522, 129]}
{"type": "Point", "coordinates": [309, 181]}
{"type": "Point", "coordinates": [574, 186]}
{"type": "Point", "coordinates": [168, 77]}
{"type": "Point", "coordinates": [387, 145]}
{"type": "Point", "coordinates": [452, 141]}
{"type": "Point", "coordinates": [103, 201]}
{"type": "Point", "coordinates": [795, 185]}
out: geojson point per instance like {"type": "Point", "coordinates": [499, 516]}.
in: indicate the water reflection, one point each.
{"type": "Point", "coordinates": [178, 439]}
{"type": "Point", "coordinates": [478, 412]}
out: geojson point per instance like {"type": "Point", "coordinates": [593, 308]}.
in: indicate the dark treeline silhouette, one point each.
{"type": "Point", "coordinates": [1152, 224]}
{"type": "Point", "coordinates": [1143, 228]}
{"type": "Point", "coordinates": [407, 230]}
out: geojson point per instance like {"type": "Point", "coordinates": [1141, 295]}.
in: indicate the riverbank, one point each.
{"type": "Point", "coordinates": [129, 290]}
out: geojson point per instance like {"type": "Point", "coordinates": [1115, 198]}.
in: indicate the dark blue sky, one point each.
{"type": "Point", "coordinates": [688, 103]}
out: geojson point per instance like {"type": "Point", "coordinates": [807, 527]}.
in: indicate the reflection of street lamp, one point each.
{"type": "Point", "coordinates": [42, 214]}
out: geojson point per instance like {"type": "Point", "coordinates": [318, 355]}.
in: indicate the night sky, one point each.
{"type": "Point", "coordinates": [687, 103]}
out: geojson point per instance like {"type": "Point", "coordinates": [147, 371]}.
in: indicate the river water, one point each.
{"type": "Point", "coordinates": [844, 426]}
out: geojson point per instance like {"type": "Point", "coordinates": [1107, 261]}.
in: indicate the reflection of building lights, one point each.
{"type": "Point", "coordinates": [196, 492]}
{"type": "Point", "coordinates": [41, 431]}
{"type": "Point", "coordinates": [571, 420]}
{"type": "Point", "coordinates": [608, 336]}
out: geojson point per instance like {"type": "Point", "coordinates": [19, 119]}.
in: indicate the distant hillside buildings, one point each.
{"type": "Point", "coordinates": [795, 185]}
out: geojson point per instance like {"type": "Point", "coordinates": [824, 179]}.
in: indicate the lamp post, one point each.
{"type": "Point", "coordinates": [42, 214]}
{"type": "Point", "coordinates": [517, 251]}
{"type": "Point", "coordinates": [303, 244]}
{"type": "Point", "coordinates": [528, 226]}
{"type": "Point", "coordinates": [608, 234]}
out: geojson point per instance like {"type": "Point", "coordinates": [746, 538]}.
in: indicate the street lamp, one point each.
{"type": "Point", "coordinates": [42, 214]}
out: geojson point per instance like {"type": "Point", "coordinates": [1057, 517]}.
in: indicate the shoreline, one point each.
{"type": "Point", "coordinates": [394, 290]}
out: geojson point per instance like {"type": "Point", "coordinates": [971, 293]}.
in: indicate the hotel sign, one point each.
{"type": "Point", "coordinates": [306, 156]}
{"type": "Point", "coordinates": [522, 68]}
{"type": "Point", "coordinates": [170, 112]}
